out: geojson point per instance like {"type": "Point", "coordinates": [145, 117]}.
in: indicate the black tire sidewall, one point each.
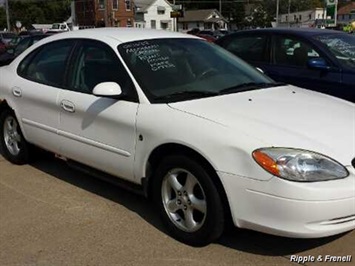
{"type": "Point", "coordinates": [23, 156]}
{"type": "Point", "coordinates": [213, 225]}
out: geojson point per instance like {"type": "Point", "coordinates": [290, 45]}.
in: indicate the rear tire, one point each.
{"type": "Point", "coordinates": [188, 201]}
{"type": "Point", "coordinates": [13, 145]}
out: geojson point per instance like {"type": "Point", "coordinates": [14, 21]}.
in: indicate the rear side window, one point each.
{"type": "Point", "coordinates": [249, 48]}
{"type": "Point", "coordinates": [47, 64]}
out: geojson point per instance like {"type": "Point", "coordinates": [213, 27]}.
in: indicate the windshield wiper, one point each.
{"type": "Point", "coordinates": [186, 95]}
{"type": "Point", "coordinates": [251, 86]}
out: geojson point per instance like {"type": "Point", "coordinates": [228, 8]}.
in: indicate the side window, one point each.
{"type": "Point", "coordinates": [249, 48]}
{"type": "Point", "coordinates": [95, 63]}
{"type": "Point", "coordinates": [47, 65]}
{"type": "Point", "coordinates": [292, 51]}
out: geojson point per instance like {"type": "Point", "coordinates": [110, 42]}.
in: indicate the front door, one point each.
{"type": "Point", "coordinates": [290, 55]}
{"type": "Point", "coordinates": [98, 131]}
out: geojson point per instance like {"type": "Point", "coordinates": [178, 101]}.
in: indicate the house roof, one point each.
{"type": "Point", "coordinates": [143, 5]}
{"type": "Point", "coordinates": [199, 15]}
{"type": "Point", "coordinates": [346, 9]}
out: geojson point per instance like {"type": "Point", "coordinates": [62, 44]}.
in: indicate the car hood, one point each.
{"type": "Point", "coordinates": [284, 116]}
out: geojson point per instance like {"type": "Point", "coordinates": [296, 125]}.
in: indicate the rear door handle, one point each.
{"type": "Point", "coordinates": [16, 92]}
{"type": "Point", "coordinates": [67, 106]}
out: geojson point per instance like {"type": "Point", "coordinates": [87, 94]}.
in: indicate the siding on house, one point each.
{"type": "Point", "coordinates": [153, 14]}
{"type": "Point", "coordinates": [203, 19]}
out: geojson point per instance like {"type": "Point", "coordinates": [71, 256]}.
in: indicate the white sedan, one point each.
{"type": "Point", "coordinates": [205, 135]}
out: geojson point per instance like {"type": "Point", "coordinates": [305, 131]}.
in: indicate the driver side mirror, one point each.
{"type": "Point", "coordinates": [318, 63]}
{"type": "Point", "coordinates": [108, 89]}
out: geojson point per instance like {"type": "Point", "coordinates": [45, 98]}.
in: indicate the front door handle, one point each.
{"type": "Point", "coordinates": [67, 106]}
{"type": "Point", "coordinates": [16, 92]}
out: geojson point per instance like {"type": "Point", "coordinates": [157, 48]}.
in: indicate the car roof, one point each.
{"type": "Point", "coordinates": [306, 32]}
{"type": "Point", "coordinates": [121, 35]}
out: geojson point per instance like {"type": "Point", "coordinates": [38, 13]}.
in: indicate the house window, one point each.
{"type": "Point", "coordinates": [129, 23]}
{"type": "Point", "coordinates": [128, 4]}
{"type": "Point", "coordinates": [164, 25]}
{"type": "Point", "coordinates": [101, 4]}
{"type": "Point", "coordinates": [286, 18]}
{"type": "Point", "coordinates": [115, 4]}
{"type": "Point", "coordinates": [300, 17]}
{"type": "Point", "coordinates": [185, 26]}
{"type": "Point", "coordinates": [161, 10]}
{"type": "Point", "coordinates": [310, 16]}
{"type": "Point", "coordinates": [207, 26]}
{"type": "Point", "coordinates": [153, 24]}
{"type": "Point", "coordinates": [197, 24]}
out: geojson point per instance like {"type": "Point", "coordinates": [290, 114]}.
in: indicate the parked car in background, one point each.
{"type": "Point", "coordinates": [207, 37]}
{"type": "Point", "coordinates": [202, 133]}
{"type": "Point", "coordinates": [6, 36]}
{"type": "Point", "coordinates": [2, 47]}
{"type": "Point", "coordinates": [14, 42]}
{"type": "Point", "coordinates": [321, 60]}
{"type": "Point", "coordinates": [193, 31]}
{"type": "Point", "coordinates": [25, 42]}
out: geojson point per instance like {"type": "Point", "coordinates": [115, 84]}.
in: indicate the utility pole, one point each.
{"type": "Point", "coordinates": [277, 12]}
{"type": "Point", "coordinates": [7, 15]}
{"type": "Point", "coordinates": [105, 13]}
{"type": "Point", "coordinates": [289, 13]}
{"type": "Point", "coordinates": [220, 6]}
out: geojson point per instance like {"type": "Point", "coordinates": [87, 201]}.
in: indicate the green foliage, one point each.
{"type": "Point", "coordinates": [38, 11]}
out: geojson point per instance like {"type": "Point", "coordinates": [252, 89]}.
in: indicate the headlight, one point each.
{"type": "Point", "coordinates": [299, 165]}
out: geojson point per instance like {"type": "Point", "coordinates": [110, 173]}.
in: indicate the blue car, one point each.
{"type": "Point", "coordinates": [320, 60]}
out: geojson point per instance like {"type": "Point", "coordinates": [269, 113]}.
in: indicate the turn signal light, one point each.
{"type": "Point", "coordinates": [266, 162]}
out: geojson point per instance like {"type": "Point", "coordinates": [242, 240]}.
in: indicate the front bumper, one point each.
{"type": "Point", "coordinates": [292, 209]}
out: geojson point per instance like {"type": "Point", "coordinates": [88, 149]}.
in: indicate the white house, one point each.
{"type": "Point", "coordinates": [153, 14]}
{"type": "Point", "coordinates": [308, 18]}
{"type": "Point", "coordinates": [202, 19]}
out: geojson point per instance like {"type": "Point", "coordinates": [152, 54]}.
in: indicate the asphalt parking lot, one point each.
{"type": "Point", "coordinates": [51, 214]}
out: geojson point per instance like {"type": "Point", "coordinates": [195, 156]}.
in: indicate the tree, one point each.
{"type": "Point", "coordinates": [3, 23]}
{"type": "Point", "coordinates": [234, 11]}
{"type": "Point", "coordinates": [38, 11]}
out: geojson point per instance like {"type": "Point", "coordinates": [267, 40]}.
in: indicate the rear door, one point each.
{"type": "Point", "coordinates": [35, 92]}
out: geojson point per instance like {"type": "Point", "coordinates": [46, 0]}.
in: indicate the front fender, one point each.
{"type": "Point", "coordinates": [225, 149]}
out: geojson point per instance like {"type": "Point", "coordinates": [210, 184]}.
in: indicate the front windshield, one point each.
{"type": "Point", "coordinates": [188, 69]}
{"type": "Point", "coordinates": [342, 46]}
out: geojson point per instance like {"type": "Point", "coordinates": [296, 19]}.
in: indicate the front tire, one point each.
{"type": "Point", "coordinates": [188, 201]}
{"type": "Point", "coordinates": [12, 143]}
